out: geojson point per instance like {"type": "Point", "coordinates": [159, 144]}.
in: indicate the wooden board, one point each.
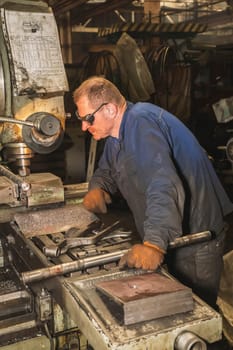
{"type": "Point", "coordinates": [145, 297]}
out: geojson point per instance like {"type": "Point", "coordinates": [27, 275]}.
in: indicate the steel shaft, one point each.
{"type": "Point", "coordinates": [77, 265]}
{"type": "Point", "coordinates": [82, 264]}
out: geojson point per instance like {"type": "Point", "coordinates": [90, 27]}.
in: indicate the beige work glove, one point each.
{"type": "Point", "coordinates": [95, 200]}
{"type": "Point", "coordinates": [144, 256]}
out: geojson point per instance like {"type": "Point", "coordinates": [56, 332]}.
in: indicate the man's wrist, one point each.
{"type": "Point", "coordinates": [151, 245]}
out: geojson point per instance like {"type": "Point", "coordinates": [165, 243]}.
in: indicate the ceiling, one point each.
{"type": "Point", "coordinates": [83, 10]}
{"type": "Point", "coordinates": [118, 11]}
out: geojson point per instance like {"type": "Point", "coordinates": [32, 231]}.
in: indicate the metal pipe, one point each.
{"type": "Point", "coordinates": [43, 122]}
{"type": "Point", "coordinates": [193, 238]}
{"type": "Point", "coordinates": [16, 121]}
{"type": "Point", "coordinates": [77, 265]}
{"type": "Point", "coordinates": [189, 341]}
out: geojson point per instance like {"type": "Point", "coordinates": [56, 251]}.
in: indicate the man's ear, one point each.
{"type": "Point", "coordinates": [112, 110]}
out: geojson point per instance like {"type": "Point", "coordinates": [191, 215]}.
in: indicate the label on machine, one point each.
{"type": "Point", "coordinates": [35, 52]}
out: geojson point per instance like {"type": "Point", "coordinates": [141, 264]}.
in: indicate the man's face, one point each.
{"type": "Point", "coordinates": [102, 124]}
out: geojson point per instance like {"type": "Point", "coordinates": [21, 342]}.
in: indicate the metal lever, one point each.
{"type": "Point", "coordinates": [44, 122]}
{"type": "Point", "coordinates": [77, 265]}
{"type": "Point", "coordinates": [16, 121]}
{"type": "Point", "coordinates": [191, 239]}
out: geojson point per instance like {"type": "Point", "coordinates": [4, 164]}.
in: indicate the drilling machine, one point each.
{"type": "Point", "coordinates": [53, 252]}
{"type": "Point", "coordinates": [32, 120]}
{"type": "Point", "coordinates": [33, 82]}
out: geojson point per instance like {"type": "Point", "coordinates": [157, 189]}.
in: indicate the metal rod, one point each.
{"type": "Point", "coordinates": [192, 238]}
{"type": "Point", "coordinates": [78, 265]}
{"type": "Point", "coordinates": [82, 264]}
{"type": "Point", "coordinates": [16, 121]}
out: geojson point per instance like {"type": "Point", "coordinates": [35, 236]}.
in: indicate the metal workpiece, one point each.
{"type": "Point", "coordinates": [99, 322]}
{"type": "Point", "coordinates": [53, 220]}
{"type": "Point", "coordinates": [65, 268]}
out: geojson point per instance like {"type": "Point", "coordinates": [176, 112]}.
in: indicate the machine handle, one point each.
{"type": "Point", "coordinates": [77, 265]}
{"type": "Point", "coordinates": [44, 122]}
{"type": "Point", "coordinates": [16, 121]}
{"type": "Point", "coordinates": [191, 239]}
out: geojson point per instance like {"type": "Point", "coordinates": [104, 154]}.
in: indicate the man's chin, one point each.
{"type": "Point", "coordinates": [98, 137]}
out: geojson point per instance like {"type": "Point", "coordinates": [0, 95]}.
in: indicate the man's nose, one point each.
{"type": "Point", "coordinates": [85, 126]}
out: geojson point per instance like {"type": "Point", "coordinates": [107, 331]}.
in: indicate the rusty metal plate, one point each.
{"type": "Point", "coordinates": [47, 221]}
{"type": "Point", "coordinates": [146, 297]}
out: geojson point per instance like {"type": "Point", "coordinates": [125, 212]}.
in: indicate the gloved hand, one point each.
{"type": "Point", "coordinates": [95, 200]}
{"type": "Point", "coordinates": [144, 256]}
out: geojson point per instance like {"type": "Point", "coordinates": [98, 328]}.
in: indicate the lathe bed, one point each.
{"type": "Point", "coordinates": [77, 296]}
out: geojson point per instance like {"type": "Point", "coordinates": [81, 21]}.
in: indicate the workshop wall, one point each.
{"type": "Point", "coordinates": [187, 78]}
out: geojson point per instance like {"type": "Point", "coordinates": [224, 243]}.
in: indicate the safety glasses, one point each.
{"type": "Point", "coordinates": [89, 118]}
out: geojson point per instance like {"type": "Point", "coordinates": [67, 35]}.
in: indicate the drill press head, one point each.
{"type": "Point", "coordinates": [32, 82]}
{"type": "Point", "coordinates": [32, 86]}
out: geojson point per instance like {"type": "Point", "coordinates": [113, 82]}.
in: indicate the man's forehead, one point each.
{"type": "Point", "coordinates": [83, 103]}
{"type": "Point", "coordinates": [82, 100]}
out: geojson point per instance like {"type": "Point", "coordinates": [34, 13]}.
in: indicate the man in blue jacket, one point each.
{"type": "Point", "coordinates": [166, 178]}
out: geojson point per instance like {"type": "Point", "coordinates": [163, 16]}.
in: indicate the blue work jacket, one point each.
{"type": "Point", "coordinates": [164, 174]}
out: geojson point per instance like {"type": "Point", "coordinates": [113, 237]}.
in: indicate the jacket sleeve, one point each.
{"type": "Point", "coordinates": [159, 179]}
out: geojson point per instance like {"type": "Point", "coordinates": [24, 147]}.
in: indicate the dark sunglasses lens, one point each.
{"type": "Point", "coordinates": [90, 118]}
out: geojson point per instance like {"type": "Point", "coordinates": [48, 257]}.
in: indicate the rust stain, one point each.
{"type": "Point", "coordinates": [11, 133]}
